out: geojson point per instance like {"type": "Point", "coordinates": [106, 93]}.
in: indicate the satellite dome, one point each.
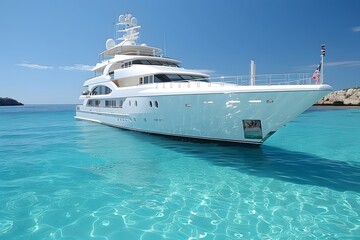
{"type": "Point", "coordinates": [134, 21]}
{"type": "Point", "coordinates": [110, 43]}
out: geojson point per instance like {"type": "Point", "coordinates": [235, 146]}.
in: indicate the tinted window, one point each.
{"type": "Point", "coordinates": [101, 90]}
{"type": "Point", "coordinates": [161, 78]}
{"type": "Point", "coordinates": [176, 77]}
{"type": "Point", "coordinates": [155, 62]}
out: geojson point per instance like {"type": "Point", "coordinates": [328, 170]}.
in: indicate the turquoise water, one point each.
{"type": "Point", "coordinates": [66, 179]}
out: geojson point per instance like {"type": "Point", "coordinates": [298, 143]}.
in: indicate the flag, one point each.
{"type": "Point", "coordinates": [316, 74]}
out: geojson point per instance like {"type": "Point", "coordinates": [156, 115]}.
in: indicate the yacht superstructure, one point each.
{"type": "Point", "coordinates": [138, 89]}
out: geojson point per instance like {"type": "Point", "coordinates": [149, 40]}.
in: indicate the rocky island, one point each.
{"type": "Point", "coordinates": [9, 102]}
{"type": "Point", "coordinates": [345, 97]}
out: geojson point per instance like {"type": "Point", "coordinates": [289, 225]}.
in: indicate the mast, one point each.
{"type": "Point", "coordinates": [322, 63]}
{"type": "Point", "coordinates": [129, 27]}
{"type": "Point", "coordinates": [252, 72]}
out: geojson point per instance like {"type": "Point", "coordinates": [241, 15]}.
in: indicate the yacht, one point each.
{"type": "Point", "coordinates": [137, 88]}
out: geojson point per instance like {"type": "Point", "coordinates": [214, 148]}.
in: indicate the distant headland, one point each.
{"type": "Point", "coordinates": [345, 97]}
{"type": "Point", "coordinates": [9, 102]}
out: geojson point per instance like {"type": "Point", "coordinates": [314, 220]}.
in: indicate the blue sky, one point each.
{"type": "Point", "coordinates": [47, 47]}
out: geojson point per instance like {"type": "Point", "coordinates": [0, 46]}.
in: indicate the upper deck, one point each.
{"type": "Point", "coordinates": [127, 31]}
{"type": "Point", "coordinates": [124, 49]}
{"type": "Point", "coordinates": [142, 50]}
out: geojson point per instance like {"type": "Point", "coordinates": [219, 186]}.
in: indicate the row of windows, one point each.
{"type": "Point", "coordinates": [156, 104]}
{"type": "Point", "coordinates": [121, 119]}
{"type": "Point", "coordinates": [93, 103]}
{"type": "Point", "coordinates": [159, 78]}
{"type": "Point", "coordinates": [144, 62]}
{"type": "Point", "coordinates": [113, 103]}
{"type": "Point", "coordinates": [178, 77]}
{"type": "Point", "coordinates": [110, 103]}
{"type": "Point", "coordinates": [147, 62]}
{"type": "Point", "coordinates": [126, 65]}
{"type": "Point", "coordinates": [146, 80]}
{"type": "Point", "coordinates": [155, 62]}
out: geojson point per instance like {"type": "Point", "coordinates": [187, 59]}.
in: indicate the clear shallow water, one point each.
{"type": "Point", "coordinates": [67, 179]}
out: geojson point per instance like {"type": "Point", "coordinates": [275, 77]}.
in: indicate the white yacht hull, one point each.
{"type": "Point", "coordinates": [219, 116]}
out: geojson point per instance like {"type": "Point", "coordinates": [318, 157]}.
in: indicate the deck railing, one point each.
{"type": "Point", "coordinates": [268, 79]}
{"type": "Point", "coordinates": [260, 80]}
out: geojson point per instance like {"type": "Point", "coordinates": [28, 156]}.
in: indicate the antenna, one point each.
{"type": "Point", "coordinates": [128, 25]}
{"type": "Point", "coordinates": [164, 45]}
{"type": "Point", "coordinates": [114, 26]}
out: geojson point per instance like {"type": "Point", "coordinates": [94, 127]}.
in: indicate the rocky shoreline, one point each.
{"type": "Point", "coordinates": [9, 102]}
{"type": "Point", "coordinates": [345, 97]}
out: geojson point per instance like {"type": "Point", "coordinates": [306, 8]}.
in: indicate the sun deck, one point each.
{"type": "Point", "coordinates": [141, 50]}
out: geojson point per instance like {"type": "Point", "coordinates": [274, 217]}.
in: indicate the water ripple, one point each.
{"type": "Point", "coordinates": [80, 185]}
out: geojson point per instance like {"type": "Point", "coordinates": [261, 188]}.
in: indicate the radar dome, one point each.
{"type": "Point", "coordinates": [134, 20]}
{"type": "Point", "coordinates": [121, 18]}
{"type": "Point", "coordinates": [110, 43]}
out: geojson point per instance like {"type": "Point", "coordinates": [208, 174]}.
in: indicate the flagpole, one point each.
{"type": "Point", "coordinates": [322, 64]}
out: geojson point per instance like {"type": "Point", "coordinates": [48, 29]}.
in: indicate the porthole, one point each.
{"type": "Point", "coordinates": [150, 103]}
{"type": "Point", "coordinates": [156, 104]}
{"type": "Point", "coordinates": [129, 103]}
{"type": "Point", "coordinates": [135, 103]}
